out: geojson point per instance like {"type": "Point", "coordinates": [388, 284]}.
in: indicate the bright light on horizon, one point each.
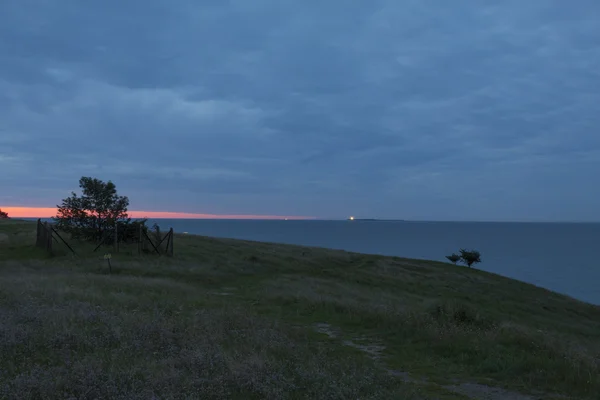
{"type": "Point", "coordinates": [47, 212]}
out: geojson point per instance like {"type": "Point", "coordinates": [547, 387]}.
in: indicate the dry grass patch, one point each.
{"type": "Point", "coordinates": [88, 336]}
{"type": "Point", "coordinates": [236, 319]}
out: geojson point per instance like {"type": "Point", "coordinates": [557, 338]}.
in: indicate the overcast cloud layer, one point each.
{"type": "Point", "coordinates": [468, 110]}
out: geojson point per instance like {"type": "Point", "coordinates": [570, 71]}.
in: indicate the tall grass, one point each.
{"type": "Point", "coordinates": [236, 319]}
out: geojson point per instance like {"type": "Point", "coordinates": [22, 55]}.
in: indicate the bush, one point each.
{"type": "Point", "coordinates": [454, 258]}
{"type": "Point", "coordinates": [460, 315]}
{"type": "Point", "coordinates": [3, 215]}
{"type": "Point", "coordinates": [470, 257]}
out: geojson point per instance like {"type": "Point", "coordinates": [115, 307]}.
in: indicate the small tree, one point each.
{"type": "Point", "coordinates": [97, 210]}
{"type": "Point", "coordinates": [470, 257]}
{"type": "Point", "coordinates": [3, 215]}
{"type": "Point", "coordinates": [454, 258]}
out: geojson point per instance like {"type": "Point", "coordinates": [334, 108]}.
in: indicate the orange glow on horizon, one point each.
{"type": "Point", "coordinates": [46, 212]}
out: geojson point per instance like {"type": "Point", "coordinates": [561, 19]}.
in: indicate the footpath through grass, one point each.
{"type": "Point", "coordinates": [237, 319]}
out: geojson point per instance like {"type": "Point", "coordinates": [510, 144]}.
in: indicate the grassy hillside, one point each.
{"type": "Point", "coordinates": [237, 319]}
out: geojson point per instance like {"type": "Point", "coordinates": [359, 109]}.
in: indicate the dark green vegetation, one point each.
{"type": "Point", "coordinates": [94, 212]}
{"type": "Point", "coordinates": [236, 319]}
{"type": "Point", "coordinates": [470, 257]}
{"type": "Point", "coordinates": [467, 257]}
{"type": "Point", "coordinates": [453, 258]}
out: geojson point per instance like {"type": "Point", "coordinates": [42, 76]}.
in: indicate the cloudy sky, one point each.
{"type": "Point", "coordinates": [434, 110]}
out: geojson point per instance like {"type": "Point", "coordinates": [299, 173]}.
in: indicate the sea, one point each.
{"type": "Point", "coordinates": [562, 257]}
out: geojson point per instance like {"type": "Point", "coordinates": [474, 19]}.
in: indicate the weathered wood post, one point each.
{"type": "Point", "coordinates": [143, 240]}
{"type": "Point", "coordinates": [47, 238]}
{"type": "Point", "coordinates": [49, 233]}
{"type": "Point", "coordinates": [38, 241]}
{"type": "Point", "coordinates": [43, 240]}
{"type": "Point", "coordinates": [158, 238]}
{"type": "Point", "coordinates": [116, 241]}
{"type": "Point", "coordinates": [140, 240]}
{"type": "Point", "coordinates": [170, 243]}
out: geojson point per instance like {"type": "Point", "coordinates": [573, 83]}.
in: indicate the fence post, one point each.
{"type": "Point", "coordinates": [170, 243]}
{"type": "Point", "coordinates": [140, 240]}
{"type": "Point", "coordinates": [38, 237]}
{"type": "Point", "coordinates": [143, 240]}
{"type": "Point", "coordinates": [158, 238]}
{"type": "Point", "coordinates": [48, 237]}
{"type": "Point", "coordinates": [44, 236]}
{"type": "Point", "coordinates": [49, 233]}
{"type": "Point", "coordinates": [167, 245]}
{"type": "Point", "coordinates": [116, 245]}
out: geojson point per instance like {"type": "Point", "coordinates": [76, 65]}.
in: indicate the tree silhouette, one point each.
{"type": "Point", "coordinates": [454, 258]}
{"type": "Point", "coordinates": [91, 214]}
{"type": "Point", "coordinates": [470, 257]}
{"type": "Point", "coordinates": [3, 215]}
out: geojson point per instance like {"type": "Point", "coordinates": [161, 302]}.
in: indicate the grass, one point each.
{"type": "Point", "coordinates": [237, 319]}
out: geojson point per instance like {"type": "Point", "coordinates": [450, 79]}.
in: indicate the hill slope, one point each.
{"type": "Point", "coordinates": [237, 319]}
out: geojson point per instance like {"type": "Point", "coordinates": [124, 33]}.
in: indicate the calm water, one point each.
{"type": "Point", "coordinates": [560, 257]}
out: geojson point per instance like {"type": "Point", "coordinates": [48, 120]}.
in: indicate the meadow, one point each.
{"type": "Point", "coordinates": [237, 319]}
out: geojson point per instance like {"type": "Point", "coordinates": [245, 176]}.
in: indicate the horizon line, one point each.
{"type": "Point", "coordinates": [50, 212]}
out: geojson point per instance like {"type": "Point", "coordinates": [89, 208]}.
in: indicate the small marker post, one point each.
{"type": "Point", "coordinates": [107, 257]}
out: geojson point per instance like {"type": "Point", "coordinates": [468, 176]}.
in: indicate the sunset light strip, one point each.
{"type": "Point", "coordinates": [45, 212]}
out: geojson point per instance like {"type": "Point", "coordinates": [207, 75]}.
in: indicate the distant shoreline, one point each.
{"type": "Point", "coordinates": [376, 219]}
{"type": "Point", "coordinates": [355, 219]}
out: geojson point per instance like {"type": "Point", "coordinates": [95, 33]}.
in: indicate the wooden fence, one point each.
{"type": "Point", "coordinates": [145, 240]}
{"type": "Point", "coordinates": [47, 235]}
{"type": "Point", "coordinates": [44, 236]}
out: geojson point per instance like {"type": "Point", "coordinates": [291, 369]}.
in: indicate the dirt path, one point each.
{"type": "Point", "coordinates": [474, 391]}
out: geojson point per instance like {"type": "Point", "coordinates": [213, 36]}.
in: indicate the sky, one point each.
{"type": "Point", "coordinates": [429, 110]}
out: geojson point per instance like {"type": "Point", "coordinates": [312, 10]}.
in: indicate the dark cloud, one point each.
{"type": "Point", "coordinates": [388, 109]}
